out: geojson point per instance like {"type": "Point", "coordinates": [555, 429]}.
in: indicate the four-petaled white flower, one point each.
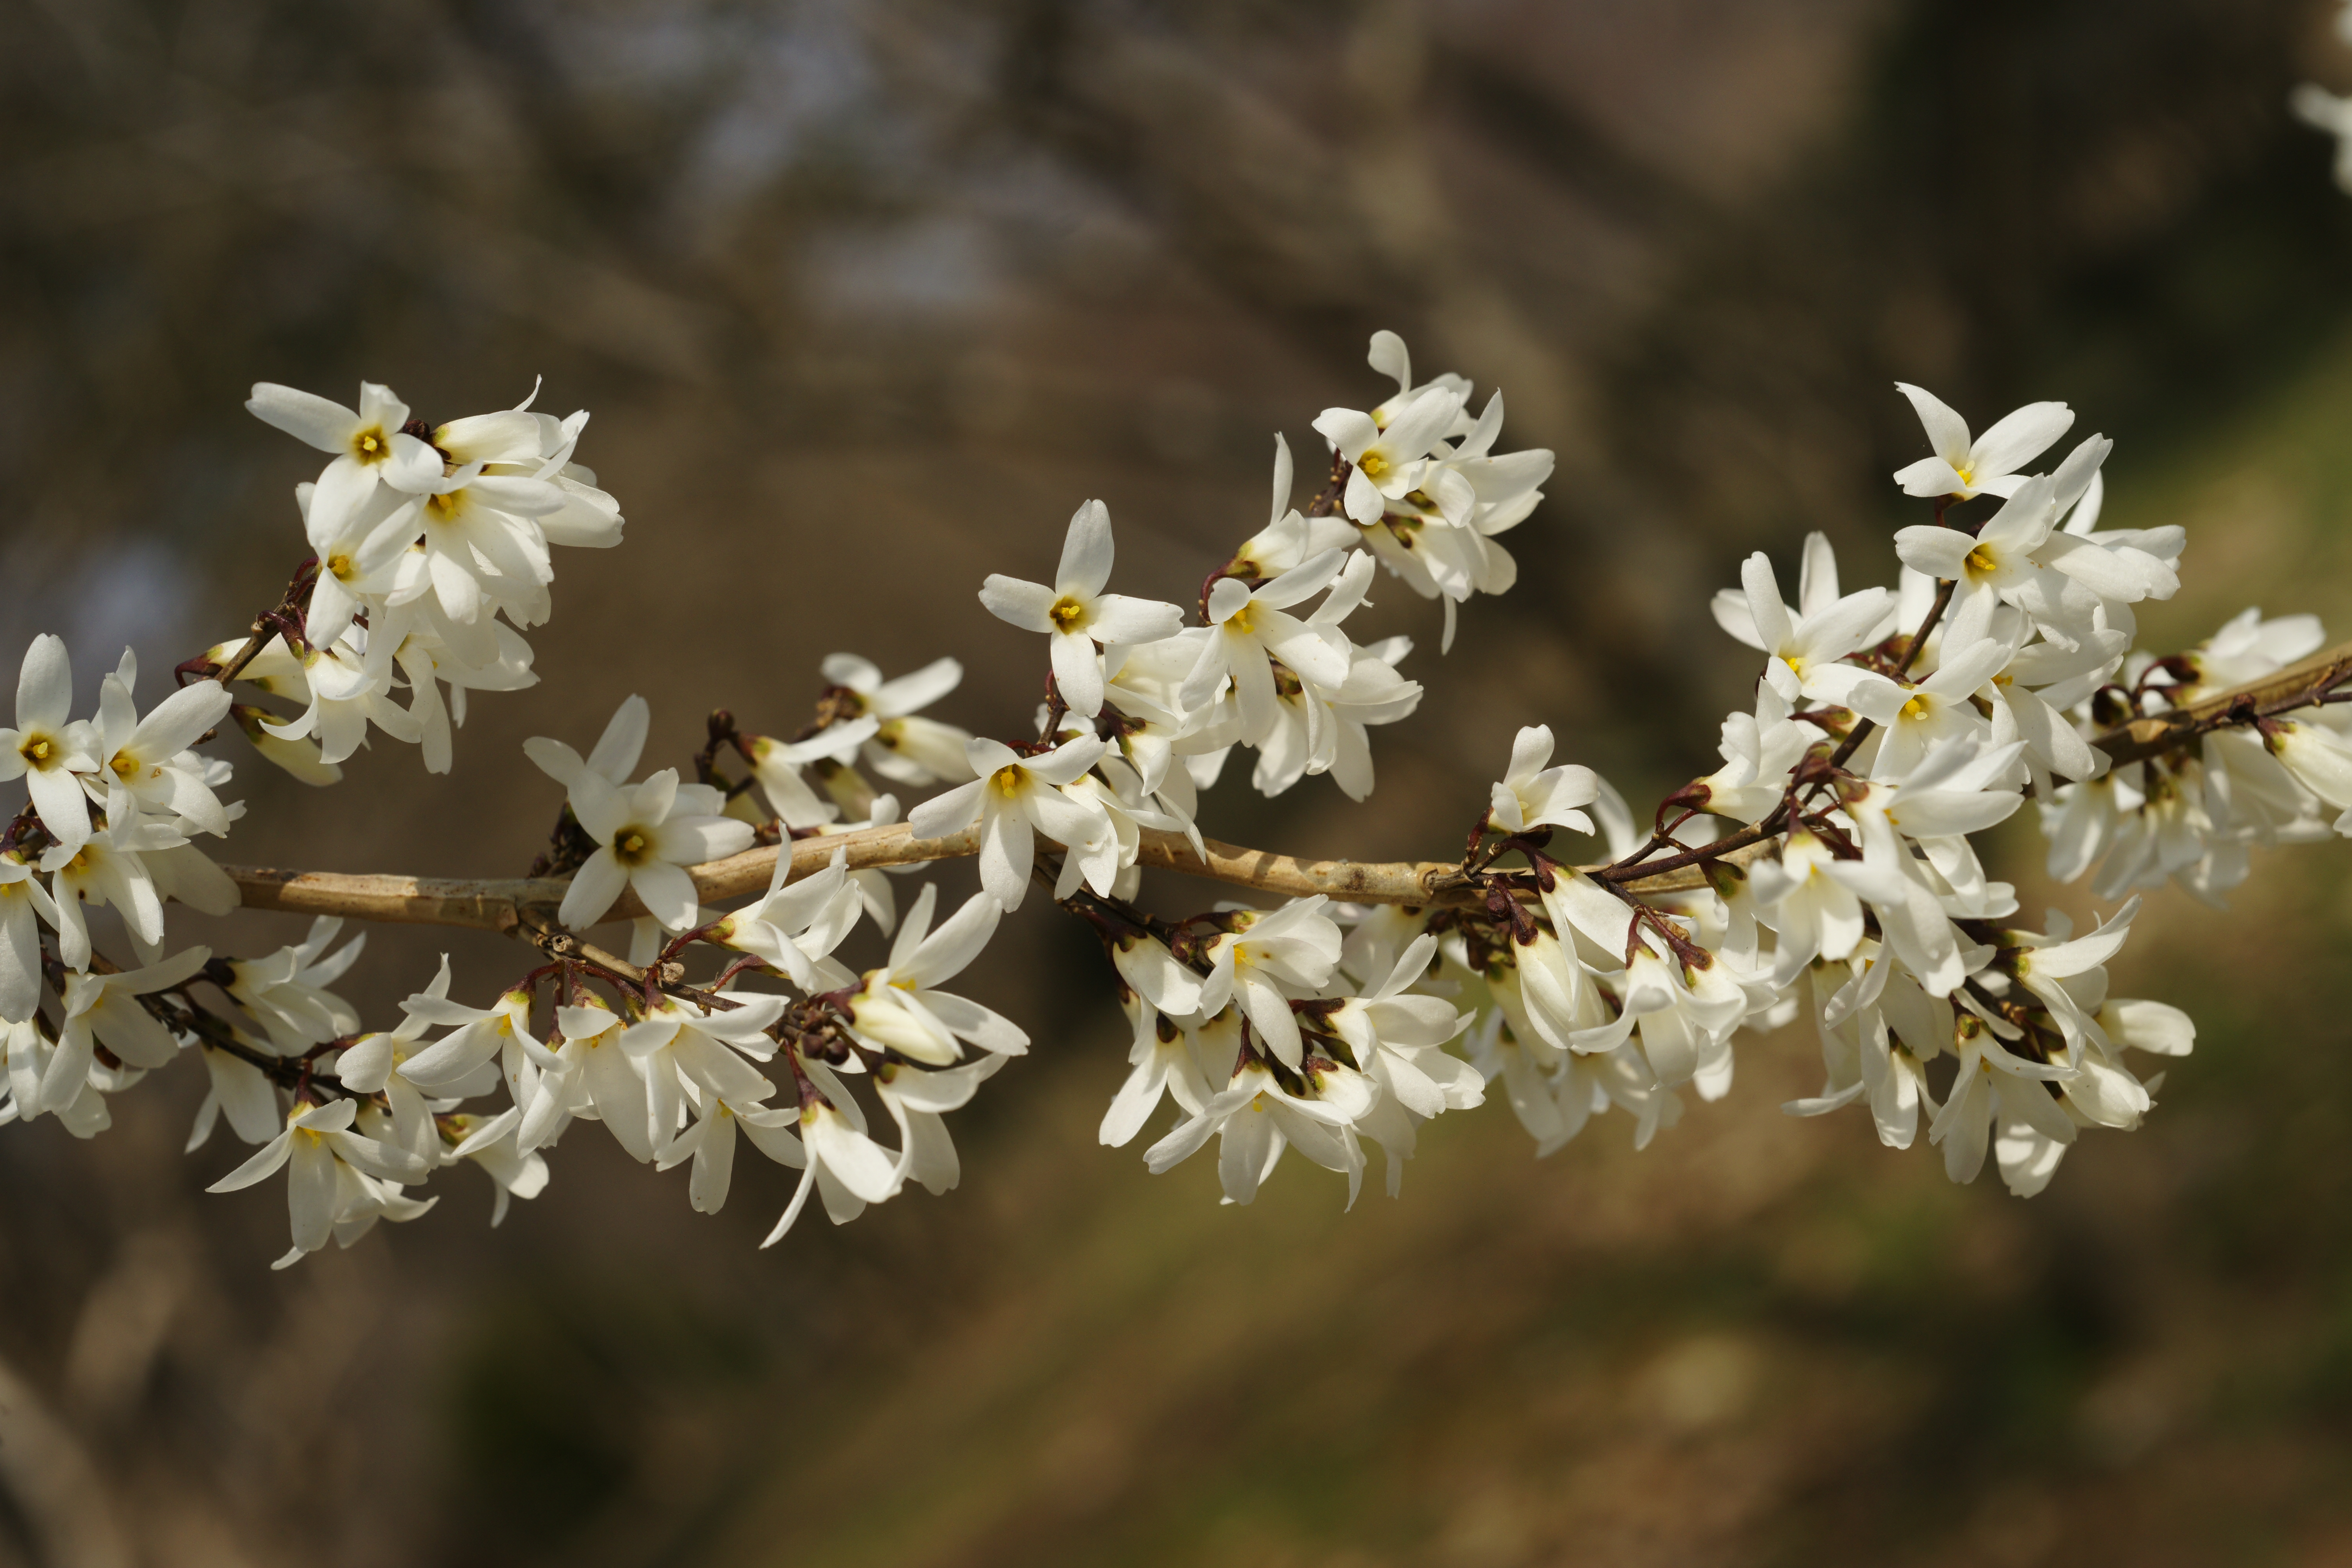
{"type": "Point", "coordinates": [1015, 799]}
{"type": "Point", "coordinates": [368, 446]}
{"type": "Point", "coordinates": [906, 748]}
{"type": "Point", "coordinates": [1075, 614]}
{"type": "Point", "coordinates": [1808, 649]}
{"type": "Point", "coordinates": [897, 1008]}
{"type": "Point", "coordinates": [1248, 625]}
{"type": "Point", "coordinates": [1988, 465]}
{"type": "Point", "coordinates": [645, 838]}
{"type": "Point", "coordinates": [325, 1155]}
{"type": "Point", "coordinates": [1295, 946]}
{"type": "Point", "coordinates": [1386, 458]}
{"type": "Point", "coordinates": [145, 764]}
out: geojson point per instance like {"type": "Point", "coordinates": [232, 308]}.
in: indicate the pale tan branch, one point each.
{"type": "Point", "coordinates": [498, 905]}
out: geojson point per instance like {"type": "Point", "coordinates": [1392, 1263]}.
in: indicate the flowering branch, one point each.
{"type": "Point", "coordinates": [1826, 870]}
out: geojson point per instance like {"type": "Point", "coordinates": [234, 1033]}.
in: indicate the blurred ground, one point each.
{"type": "Point", "coordinates": [866, 299]}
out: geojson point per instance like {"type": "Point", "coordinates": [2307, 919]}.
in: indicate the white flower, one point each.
{"type": "Point", "coordinates": [287, 992]}
{"type": "Point", "coordinates": [376, 1064]}
{"type": "Point", "coordinates": [364, 1199]}
{"type": "Point", "coordinates": [348, 686]}
{"type": "Point", "coordinates": [1256, 1118]}
{"type": "Point", "coordinates": [1545, 991]}
{"type": "Point", "coordinates": [709, 1143]}
{"type": "Point", "coordinates": [1013, 799]}
{"type": "Point", "coordinates": [1296, 946]}
{"type": "Point", "coordinates": [898, 1008]}
{"type": "Point", "coordinates": [318, 1144]}
{"type": "Point", "coordinates": [778, 764]}
{"type": "Point", "coordinates": [1288, 537]}
{"type": "Point", "coordinates": [646, 838]}
{"type": "Point", "coordinates": [477, 1035]}
{"type": "Point", "coordinates": [2157, 1027]}
{"type": "Point", "coordinates": [2320, 760]}
{"type": "Point", "coordinates": [47, 749]}
{"type": "Point", "coordinates": [1145, 963]}
{"type": "Point", "coordinates": [795, 927]}
{"type": "Point", "coordinates": [1162, 1060]}
{"type": "Point", "coordinates": [1076, 614]}
{"type": "Point", "coordinates": [359, 553]}
{"type": "Point", "coordinates": [1816, 915]}
{"type": "Point", "coordinates": [906, 748]}
{"type": "Point", "coordinates": [1938, 709]}
{"type": "Point", "coordinates": [1995, 1085]}
{"type": "Point", "coordinates": [147, 760]}
{"type": "Point", "coordinates": [105, 870]}
{"type": "Point", "coordinates": [298, 758]}
{"type": "Point", "coordinates": [2064, 678]}
{"type": "Point", "coordinates": [2322, 111]}
{"type": "Point", "coordinates": [1396, 1038]}
{"type": "Point", "coordinates": [1805, 652]}
{"type": "Point", "coordinates": [1249, 626]}
{"type": "Point", "coordinates": [1686, 1016]}
{"type": "Point", "coordinates": [848, 1168]}
{"type": "Point", "coordinates": [368, 446]}
{"type": "Point", "coordinates": [104, 1009]}
{"type": "Point", "coordinates": [2044, 967]}
{"type": "Point", "coordinates": [1532, 795]}
{"type": "Point", "coordinates": [1388, 458]}
{"type": "Point", "coordinates": [1991, 463]}
{"type": "Point", "coordinates": [428, 662]}
{"type": "Point", "coordinates": [490, 1143]}
{"type": "Point", "coordinates": [1952, 793]}
{"type": "Point", "coordinates": [589, 1070]}
{"type": "Point", "coordinates": [2020, 557]}
{"type": "Point", "coordinates": [237, 1089]}
{"type": "Point", "coordinates": [917, 1100]}
{"type": "Point", "coordinates": [1759, 751]}
{"type": "Point", "coordinates": [680, 1043]}
{"type": "Point", "coordinates": [480, 552]}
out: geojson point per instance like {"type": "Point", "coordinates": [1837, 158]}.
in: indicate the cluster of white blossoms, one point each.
{"type": "Point", "coordinates": [1822, 877]}
{"type": "Point", "coordinates": [422, 537]}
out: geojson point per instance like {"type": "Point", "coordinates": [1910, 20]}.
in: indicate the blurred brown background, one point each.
{"type": "Point", "coordinates": [866, 299]}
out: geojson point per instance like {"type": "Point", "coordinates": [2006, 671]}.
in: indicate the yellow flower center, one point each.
{"type": "Point", "coordinates": [37, 750]}
{"type": "Point", "coordinates": [445, 509]}
{"type": "Point", "coordinates": [1915, 709]}
{"type": "Point", "coordinates": [371, 445]}
{"type": "Point", "coordinates": [340, 566]}
{"type": "Point", "coordinates": [1373, 465]}
{"type": "Point", "coordinates": [1007, 781]}
{"type": "Point", "coordinates": [1967, 477]}
{"type": "Point", "coordinates": [1068, 615]}
{"type": "Point", "coordinates": [1980, 560]}
{"type": "Point", "coordinates": [1239, 621]}
{"type": "Point", "coordinates": [630, 846]}
{"type": "Point", "coordinates": [124, 766]}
